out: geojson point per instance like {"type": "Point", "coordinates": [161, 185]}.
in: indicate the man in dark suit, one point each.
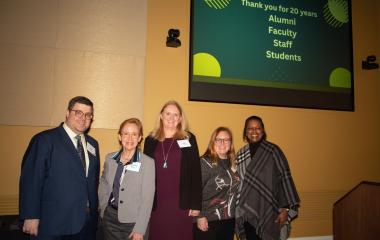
{"type": "Point", "coordinates": [59, 179]}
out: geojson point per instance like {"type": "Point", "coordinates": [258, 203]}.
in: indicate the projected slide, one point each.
{"type": "Point", "coordinates": [295, 53]}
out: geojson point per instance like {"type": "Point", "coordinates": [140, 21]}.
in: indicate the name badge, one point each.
{"type": "Point", "coordinates": [134, 167]}
{"type": "Point", "coordinates": [183, 143]}
{"type": "Point", "coordinates": [91, 149]}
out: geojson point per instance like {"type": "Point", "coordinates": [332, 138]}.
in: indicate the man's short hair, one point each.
{"type": "Point", "coordinates": [79, 99]}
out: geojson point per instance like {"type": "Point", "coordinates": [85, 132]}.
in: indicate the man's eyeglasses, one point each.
{"type": "Point", "coordinates": [222, 140]}
{"type": "Point", "coordinates": [80, 114]}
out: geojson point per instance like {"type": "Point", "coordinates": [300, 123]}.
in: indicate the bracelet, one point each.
{"type": "Point", "coordinates": [286, 209]}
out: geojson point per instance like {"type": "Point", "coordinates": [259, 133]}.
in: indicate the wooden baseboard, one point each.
{"type": "Point", "coordinates": [313, 238]}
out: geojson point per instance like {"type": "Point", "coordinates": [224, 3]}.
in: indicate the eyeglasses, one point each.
{"type": "Point", "coordinates": [132, 135]}
{"type": "Point", "coordinates": [80, 114]}
{"type": "Point", "coordinates": [222, 140]}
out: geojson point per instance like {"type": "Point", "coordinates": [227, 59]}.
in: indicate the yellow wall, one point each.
{"type": "Point", "coordinates": [329, 151]}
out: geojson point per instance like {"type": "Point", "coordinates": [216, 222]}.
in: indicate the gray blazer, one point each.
{"type": "Point", "coordinates": [136, 191]}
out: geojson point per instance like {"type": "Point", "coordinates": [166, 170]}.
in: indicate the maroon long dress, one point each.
{"type": "Point", "coordinates": [168, 221]}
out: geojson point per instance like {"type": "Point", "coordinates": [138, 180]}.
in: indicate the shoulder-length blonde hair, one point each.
{"type": "Point", "coordinates": [211, 153]}
{"type": "Point", "coordinates": [182, 127]}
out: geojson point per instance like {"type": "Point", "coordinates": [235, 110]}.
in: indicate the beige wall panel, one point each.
{"type": "Point", "coordinates": [26, 84]}
{"type": "Point", "coordinates": [316, 211]}
{"type": "Point", "coordinates": [29, 22]}
{"type": "Point", "coordinates": [53, 50]}
{"type": "Point", "coordinates": [110, 26]}
{"type": "Point", "coordinates": [114, 82]}
{"type": "Point", "coordinates": [8, 204]}
{"type": "Point", "coordinates": [14, 141]}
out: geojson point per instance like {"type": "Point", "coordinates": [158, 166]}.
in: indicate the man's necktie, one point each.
{"type": "Point", "coordinates": [80, 151]}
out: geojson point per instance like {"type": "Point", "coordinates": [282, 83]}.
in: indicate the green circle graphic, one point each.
{"type": "Point", "coordinates": [340, 77]}
{"type": "Point", "coordinates": [206, 65]}
{"type": "Point", "coordinates": [335, 12]}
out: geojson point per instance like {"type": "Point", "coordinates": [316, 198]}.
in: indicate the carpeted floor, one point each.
{"type": "Point", "coordinates": [10, 229]}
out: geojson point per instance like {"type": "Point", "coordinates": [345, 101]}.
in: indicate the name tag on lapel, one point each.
{"type": "Point", "coordinates": [91, 149]}
{"type": "Point", "coordinates": [183, 143]}
{"type": "Point", "coordinates": [134, 167]}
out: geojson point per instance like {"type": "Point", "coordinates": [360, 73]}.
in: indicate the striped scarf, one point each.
{"type": "Point", "coordinates": [267, 186]}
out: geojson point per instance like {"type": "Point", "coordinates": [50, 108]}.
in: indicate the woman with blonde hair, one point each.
{"type": "Point", "coordinates": [220, 183]}
{"type": "Point", "coordinates": [178, 175]}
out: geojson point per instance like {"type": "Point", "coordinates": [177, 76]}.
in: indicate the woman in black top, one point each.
{"type": "Point", "coordinates": [220, 183]}
{"type": "Point", "coordinates": [178, 195]}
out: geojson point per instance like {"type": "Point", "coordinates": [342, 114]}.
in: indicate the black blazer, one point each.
{"type": "Point", "coordinates": [190, 174]}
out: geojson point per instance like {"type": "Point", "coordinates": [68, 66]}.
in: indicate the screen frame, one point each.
{"type": "Point", "coordinates": [271, 96]}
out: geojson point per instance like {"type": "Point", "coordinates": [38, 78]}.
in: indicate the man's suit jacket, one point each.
{"type": "Point", "coordinates": [136, 191]}
{"type": "Point", "coordinates": [53, 184]}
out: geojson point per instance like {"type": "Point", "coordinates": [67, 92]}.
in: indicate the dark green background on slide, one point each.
{"type": "Point", "coordinates": [237, 36]}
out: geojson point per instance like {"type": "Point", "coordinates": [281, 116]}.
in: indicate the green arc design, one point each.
{"type": "Point", "coordinates": [335, 12]}
{"type": "Point", "coordinates": [217, 4]}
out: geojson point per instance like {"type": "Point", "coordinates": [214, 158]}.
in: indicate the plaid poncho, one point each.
{"type": "Point", "coordinates": [267, 186]}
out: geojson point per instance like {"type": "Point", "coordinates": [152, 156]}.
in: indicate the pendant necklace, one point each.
{"type": "Point", "coordinates": [165, 165]}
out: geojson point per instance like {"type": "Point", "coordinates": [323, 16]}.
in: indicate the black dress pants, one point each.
{"type": "Point", "coordinates": [217, 230]}
{"type": "Point", "coordinates": [250, 232]}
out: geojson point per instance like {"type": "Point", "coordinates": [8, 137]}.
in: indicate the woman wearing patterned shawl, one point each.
{"type": "Point", "coordinates": [267, 199]}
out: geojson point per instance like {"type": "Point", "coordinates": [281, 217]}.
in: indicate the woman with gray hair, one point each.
{"type": "Point", "coordinates": [126, 188]}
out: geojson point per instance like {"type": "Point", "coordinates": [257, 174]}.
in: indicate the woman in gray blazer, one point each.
{"type": "Point", "coordinates": [127, 185]}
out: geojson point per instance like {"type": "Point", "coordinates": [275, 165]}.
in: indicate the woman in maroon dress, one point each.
{"type": "Point", "coordinates": [178, 175]}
